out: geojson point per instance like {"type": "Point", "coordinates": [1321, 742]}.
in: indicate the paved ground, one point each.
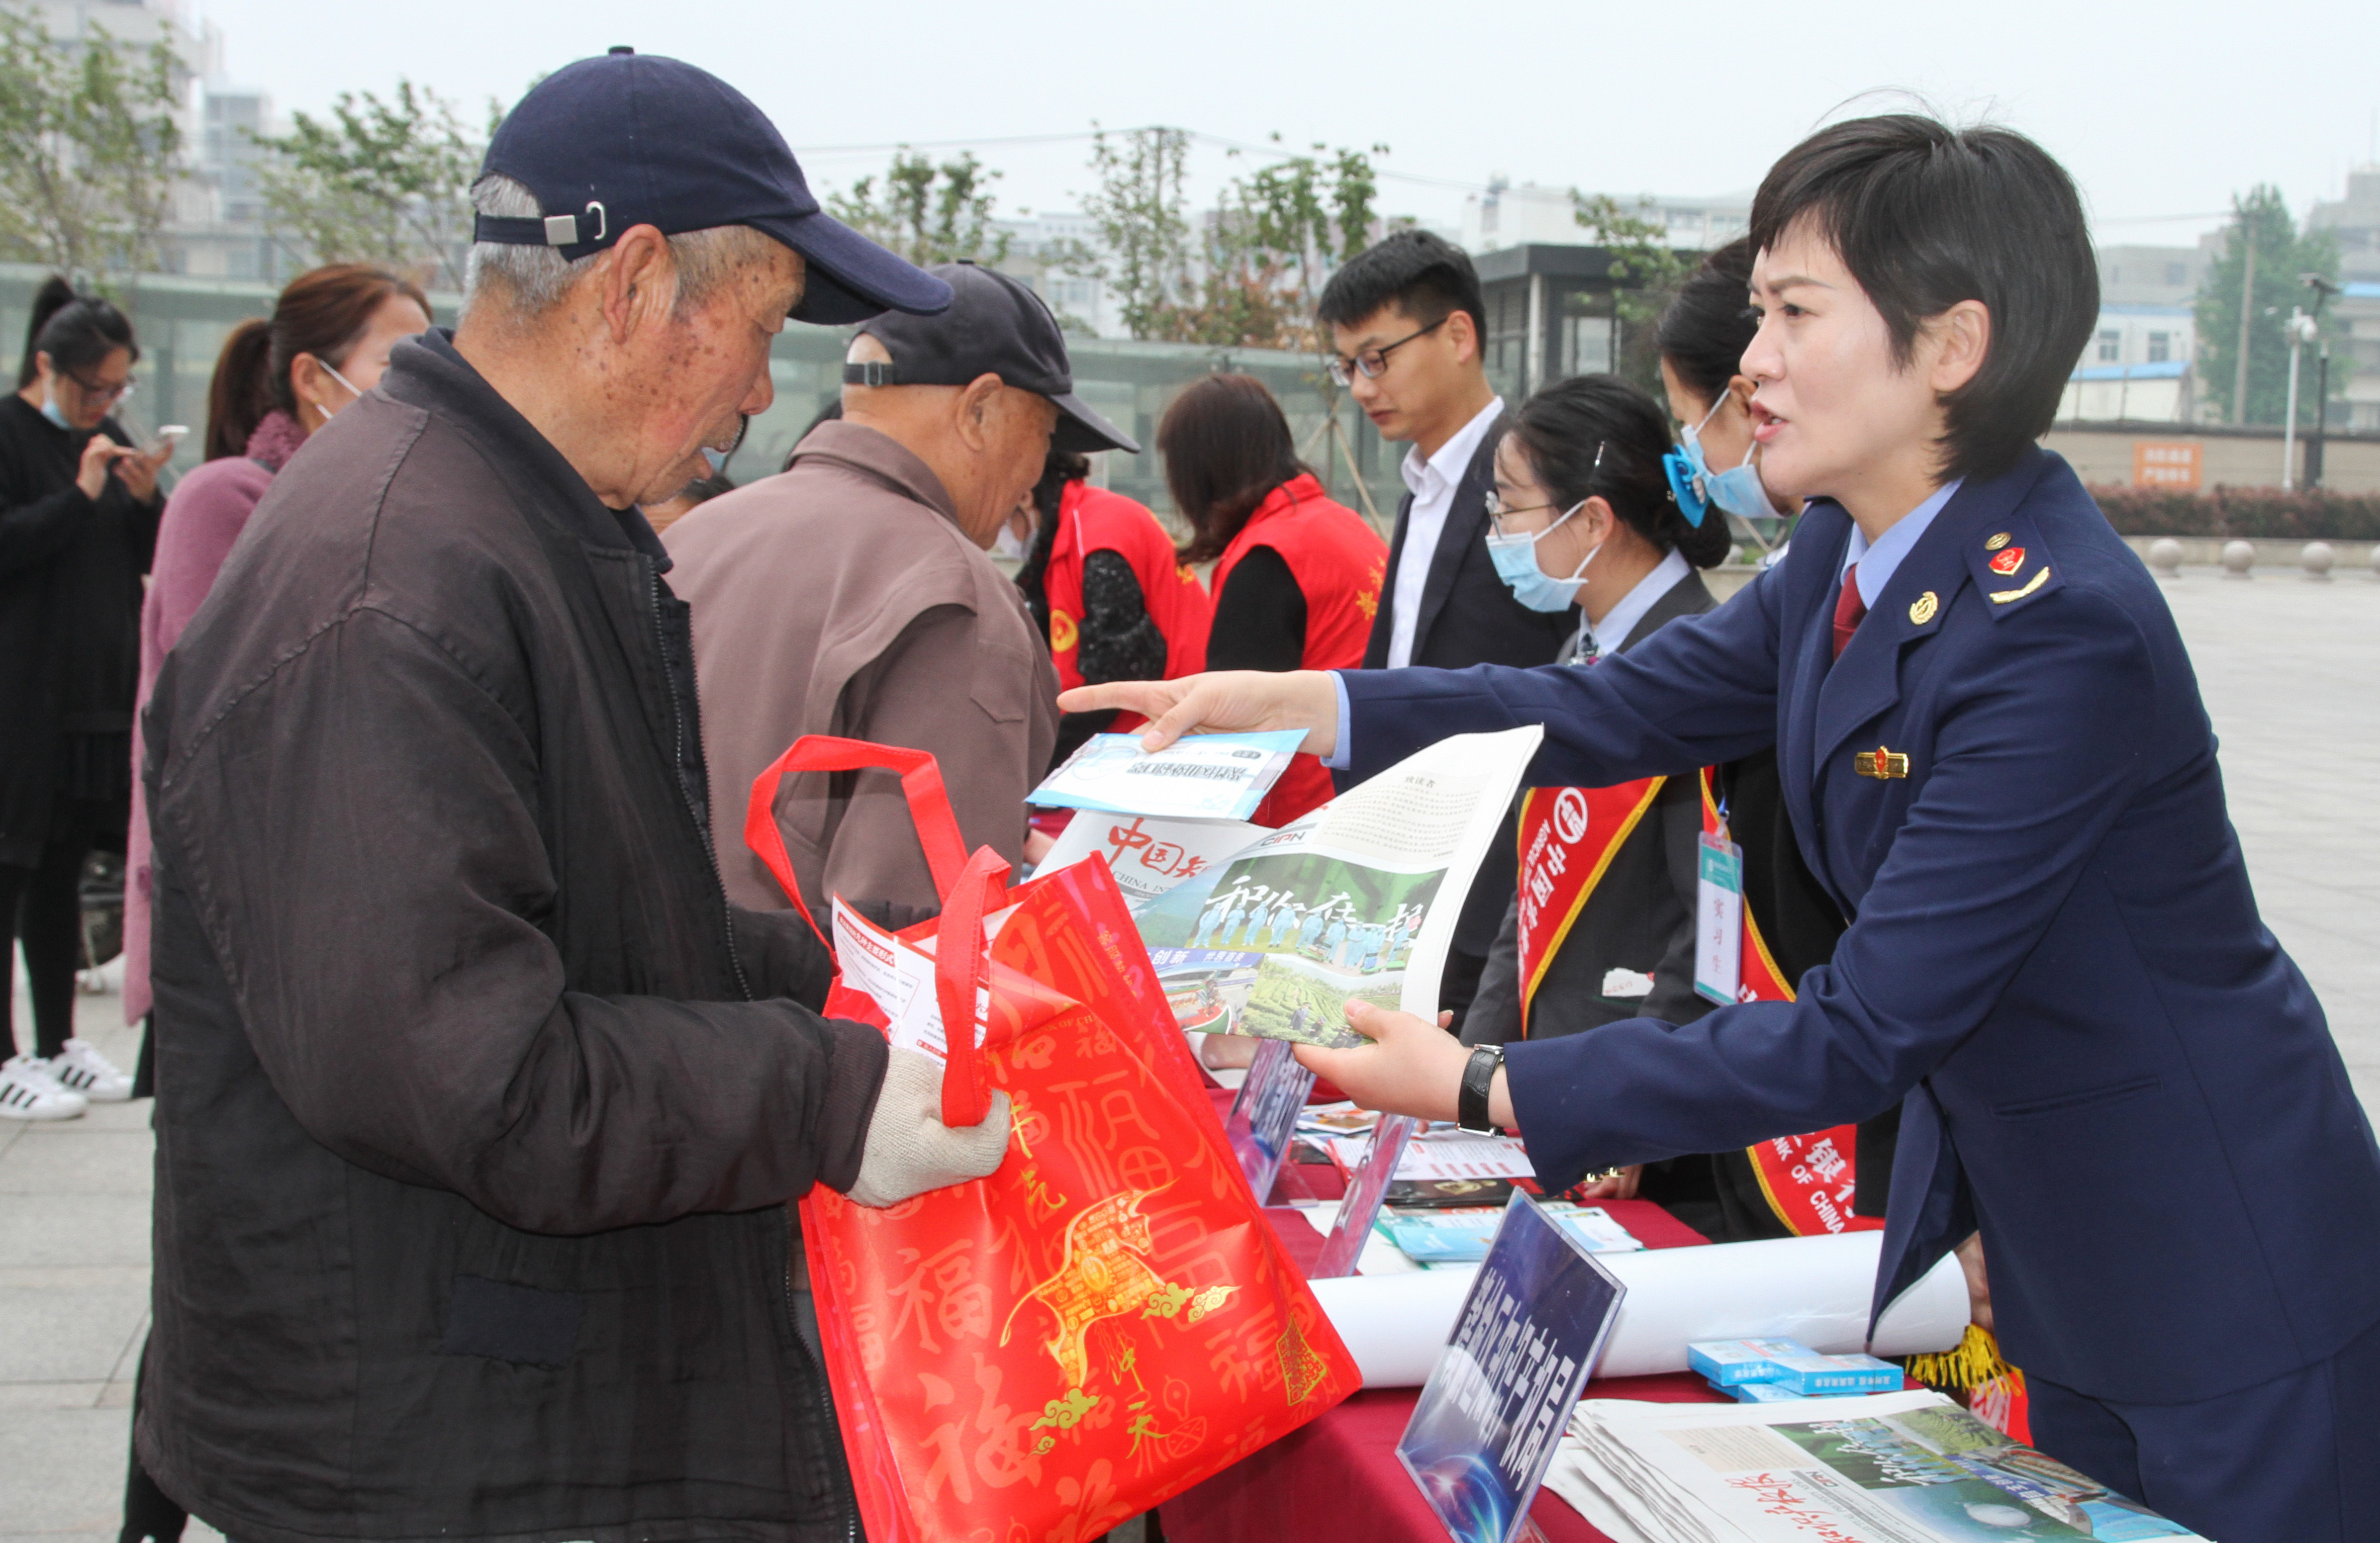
{"type": "Point", "coordinates": [2291, 670]}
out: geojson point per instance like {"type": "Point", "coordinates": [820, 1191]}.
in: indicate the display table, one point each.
{"type": "Point", "coordinates": [1339, 1477]}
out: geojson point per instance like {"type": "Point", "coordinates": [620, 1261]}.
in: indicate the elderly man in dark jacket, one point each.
{"type": "Point", "coordinates": [479, 1104]}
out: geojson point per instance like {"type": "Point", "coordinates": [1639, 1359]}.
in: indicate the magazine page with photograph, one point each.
{"type": "Point", "coordinates": [1357, 900]}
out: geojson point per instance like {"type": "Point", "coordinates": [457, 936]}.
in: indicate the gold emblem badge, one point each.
{"type": "Point", "coordinates": [1998, 541]}
{"type": "Point", "coordinates": [1921, 609]}
{"type": "Point", "coordinates": [2001, 596]}
{"type": "Point", "coordinates": [1880, 762]}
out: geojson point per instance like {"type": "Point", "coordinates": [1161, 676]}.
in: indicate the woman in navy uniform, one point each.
{"type": "Point", "coordinates": [1995, 759]}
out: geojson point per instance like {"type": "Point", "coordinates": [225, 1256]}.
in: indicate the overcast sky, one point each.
{"type": "Point", "coordinates": [2161, 110]}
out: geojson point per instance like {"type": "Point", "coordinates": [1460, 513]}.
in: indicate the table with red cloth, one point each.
{"type": "Point", "coordinates": [1339, 1476]}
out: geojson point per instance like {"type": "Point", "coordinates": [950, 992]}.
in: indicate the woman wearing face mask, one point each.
{"type": "Point", "coordinates": [1106, 590]}
{"type": "Point", "coordinates": [79, 510]}
{"type": "Point", "coordinates": [1583, 513]}
{"type": "Point", "coordinates": [1297, 577]}
{"type": "Point", "coordinates": [277, 380]}
{"type": "Point", "coordinates": [1701, 338]}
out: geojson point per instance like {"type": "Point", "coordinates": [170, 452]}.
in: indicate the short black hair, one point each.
{"type": "Point", "coordinates": [1426, 276]}
{"type": "Point", "coordinates": [1710, 322]}
{"type": "Point", "coordinates": [1926, 216]}
{"type": "Point", "coordinates": [1597, 435]}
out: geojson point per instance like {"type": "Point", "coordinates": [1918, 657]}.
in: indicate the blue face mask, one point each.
{"type": "Point", "coordinates": [50, 409]}
{"type": "Point", "coordinates": [1516, 564]}
{"type": "Point", "coordinates": [1737, 490]}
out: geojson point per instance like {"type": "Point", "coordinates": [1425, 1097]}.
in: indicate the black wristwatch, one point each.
{"type": "Point", "coordinates": [1479, 1077]}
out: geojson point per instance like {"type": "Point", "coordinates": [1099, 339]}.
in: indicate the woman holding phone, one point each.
{"type": "Point", "coordinates": [1996, 760]}
{"type": "Point", "coordinates": [78, 507]}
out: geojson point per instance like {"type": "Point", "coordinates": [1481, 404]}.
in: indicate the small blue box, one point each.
{"type": "Point", "coordinates": [1763, 1392]}
{"type": "Point", "coordinates": [1729, 1363]}
{"type": "Point", "coordinates": [1811, 1375]}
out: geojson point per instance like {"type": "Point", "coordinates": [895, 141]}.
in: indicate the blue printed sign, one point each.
{"type": "Point", "coordinates": [1264, 1113]}
{"type": "Point", "coordinates": [1498, 1399]}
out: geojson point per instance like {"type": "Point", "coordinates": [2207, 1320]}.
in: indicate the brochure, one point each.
{"type": "Point", "coordinates": [1146, 854]}
{"type": "Point", "coordinates": [1359, 899]}
{"type": "Point", "coordinates": [1464, 1236]}
{"type": "Point", "coordinates": [1910, 1467]}
{"type": "Point", "coordinates": [1496, 1405]}
{"type": "Point", "coordinates": [1199, 776]}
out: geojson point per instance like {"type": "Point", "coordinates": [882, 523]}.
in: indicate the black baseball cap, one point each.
{"type": "Point", "coordinates": [634, 138]}
{"type": "Point", "coordinates": [997, 326]}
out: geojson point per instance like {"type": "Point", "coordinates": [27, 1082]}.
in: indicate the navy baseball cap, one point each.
{"type": "Point", "coordinates": [995, 326]}
{"type": "Point", "coordinates": [635, 138]}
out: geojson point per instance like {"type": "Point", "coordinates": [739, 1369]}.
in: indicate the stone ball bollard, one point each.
{"type": "Point", "coordinates": [2164, 556]}
{"type": "Point", "coordinates": [2238, 558]}
{"type": "Point", "coordinates": [2316, 557]}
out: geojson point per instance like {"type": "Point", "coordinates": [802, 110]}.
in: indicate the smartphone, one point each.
{"type": "Point", "coordinates": [167, 439]}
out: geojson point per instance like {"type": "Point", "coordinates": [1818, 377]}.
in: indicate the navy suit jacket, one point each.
{"type": "Point", "coordinates": [2108, 1064]}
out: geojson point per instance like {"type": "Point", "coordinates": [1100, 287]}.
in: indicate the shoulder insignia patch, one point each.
{"type": "Point", "coordinates": [2012, 566]}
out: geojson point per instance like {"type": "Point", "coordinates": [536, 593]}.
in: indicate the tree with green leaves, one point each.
{"type": "Point", "coordinates": [89, 147]}
{"type": "Point", "coordinates": [2265, 262]}
{"type": "Point", "coordinates": [387, 182]}
{"type": "Point", "coordinates": [1646, 271]}
{"type": "Point", "coordinates": [1140, 209]}
{"type": "Point", "coordinates": [926, 212]}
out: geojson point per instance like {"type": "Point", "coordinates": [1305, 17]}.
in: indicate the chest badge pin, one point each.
{"type": "Point", "coordinates": [1998, 541]}
{"type": "Point", "coordinates": [1921, 609]}
{"type": "Point", "coordinates": [1880, 762]}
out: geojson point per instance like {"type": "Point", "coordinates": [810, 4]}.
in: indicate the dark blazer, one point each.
{"type": "Point", "coordinates": [2055, 957]}
{"type": "Point", "coordinates": [1639, 917]}
{"type": "Point", "coordinates": [1468, 615]}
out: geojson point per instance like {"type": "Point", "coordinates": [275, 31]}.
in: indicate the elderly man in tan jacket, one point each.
{"type": "Point", "coordinates": [852, 596]}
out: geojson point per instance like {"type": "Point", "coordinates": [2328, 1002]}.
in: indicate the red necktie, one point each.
{"type": "Point", "coordinates": [1849, 609]}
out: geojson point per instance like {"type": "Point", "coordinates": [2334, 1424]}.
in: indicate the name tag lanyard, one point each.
{"type": "Point", "coordinates": [1718, 915]}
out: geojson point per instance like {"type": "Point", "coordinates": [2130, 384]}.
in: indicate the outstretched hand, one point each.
{"type": "Point", "coordinates": [1412, 1066]}
{"type": "Point", "coordinates": [1230, 701]}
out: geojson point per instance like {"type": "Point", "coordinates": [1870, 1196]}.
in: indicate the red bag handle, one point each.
{"type": "Point", "coordinates": [921, 782]}
{"type": "Point", "coordinates": [969, 887]}
{"type": "Point", "coordinates": [960, 973]}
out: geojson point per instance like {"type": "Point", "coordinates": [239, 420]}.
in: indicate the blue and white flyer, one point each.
{"type": "Point", "coordinates": [1199, 776]}
{"type": "Point", "coordinates": [1500, 1398]}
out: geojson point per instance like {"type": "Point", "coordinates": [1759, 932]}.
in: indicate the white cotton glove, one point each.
{"type": "Point", "coordinates": [909, 1150]}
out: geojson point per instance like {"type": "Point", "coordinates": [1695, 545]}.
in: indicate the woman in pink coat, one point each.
{"type": "Point", "coordinates": [277, 380]}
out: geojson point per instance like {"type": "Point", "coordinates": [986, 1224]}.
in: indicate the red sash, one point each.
{"type": "Point", "coordinates": [1568, 838]}
{"type": "Point", "coordinates": [1807, 1179]}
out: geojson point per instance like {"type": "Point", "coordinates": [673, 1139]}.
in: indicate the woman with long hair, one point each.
{"type": "Point", "coordinates": [277, 380]}
{"type": "Point", "coordinates": [78, 508]}
{"type": "Point", "coordinates": [1297, 575]}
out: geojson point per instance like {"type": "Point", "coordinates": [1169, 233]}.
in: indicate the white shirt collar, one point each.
{"type": "Point", "coordinates": [1619, 623]}
{"type": "Point", "coordinates": [1877, 562]}
{"type": "Point", "coordinates": [1453, 457]}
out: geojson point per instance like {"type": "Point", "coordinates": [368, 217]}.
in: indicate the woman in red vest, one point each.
{"type": "Point", "coordinates": [1107, 594]}
{"type": "Point", "coordinates": [1297, 577]}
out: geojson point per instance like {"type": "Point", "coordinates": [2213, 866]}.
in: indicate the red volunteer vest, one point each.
{"type": "Point", "coordinates": [1338, 562]}
{"type": "Point", "coordinates": [1093, 519]}
{"type": "Point", "coordinates": [1568, 838]}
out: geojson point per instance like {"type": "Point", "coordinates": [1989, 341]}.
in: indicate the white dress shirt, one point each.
{"type": "Point", "coordinates": [1612, 634]}
{"type": "Point", "coordinates": [1433, 483]}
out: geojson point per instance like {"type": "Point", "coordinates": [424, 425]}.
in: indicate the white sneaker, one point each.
{"type": "Point", "coordinates": [79, 1068]}
{"type": "Point", "coordinates": [28, 1091]}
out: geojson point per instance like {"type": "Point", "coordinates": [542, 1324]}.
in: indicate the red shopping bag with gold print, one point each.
{"type": "Point", "coordinates": [1109, 1317]}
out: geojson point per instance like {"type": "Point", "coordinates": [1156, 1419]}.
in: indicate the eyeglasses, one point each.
{"type": "Point", "coordinates": [1498, 512]}
{"type": "Point", "coordinates": [1373, 361]}
{"type": "Point", "coordinates": [100, 394]}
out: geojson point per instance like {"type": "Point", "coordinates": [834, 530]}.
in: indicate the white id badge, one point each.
{"type": "Point", "coordinates": [1719, 919]}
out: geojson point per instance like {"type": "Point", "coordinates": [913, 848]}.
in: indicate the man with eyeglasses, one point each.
{"type": "Point", "coordinates": [1407, 329]}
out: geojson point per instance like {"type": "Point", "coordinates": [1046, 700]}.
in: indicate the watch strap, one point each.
{"type": "Point", "coordinates": [1479, 1077]}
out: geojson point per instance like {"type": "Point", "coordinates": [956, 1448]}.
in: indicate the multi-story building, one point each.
{"type": "Point", "coordinates": [1529, 215]}
{"type": "Point", "coordinates": [2353, 223]}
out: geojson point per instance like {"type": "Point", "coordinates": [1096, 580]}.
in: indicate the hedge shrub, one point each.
{"type": "Point", "coordinates": [2302, 515]}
